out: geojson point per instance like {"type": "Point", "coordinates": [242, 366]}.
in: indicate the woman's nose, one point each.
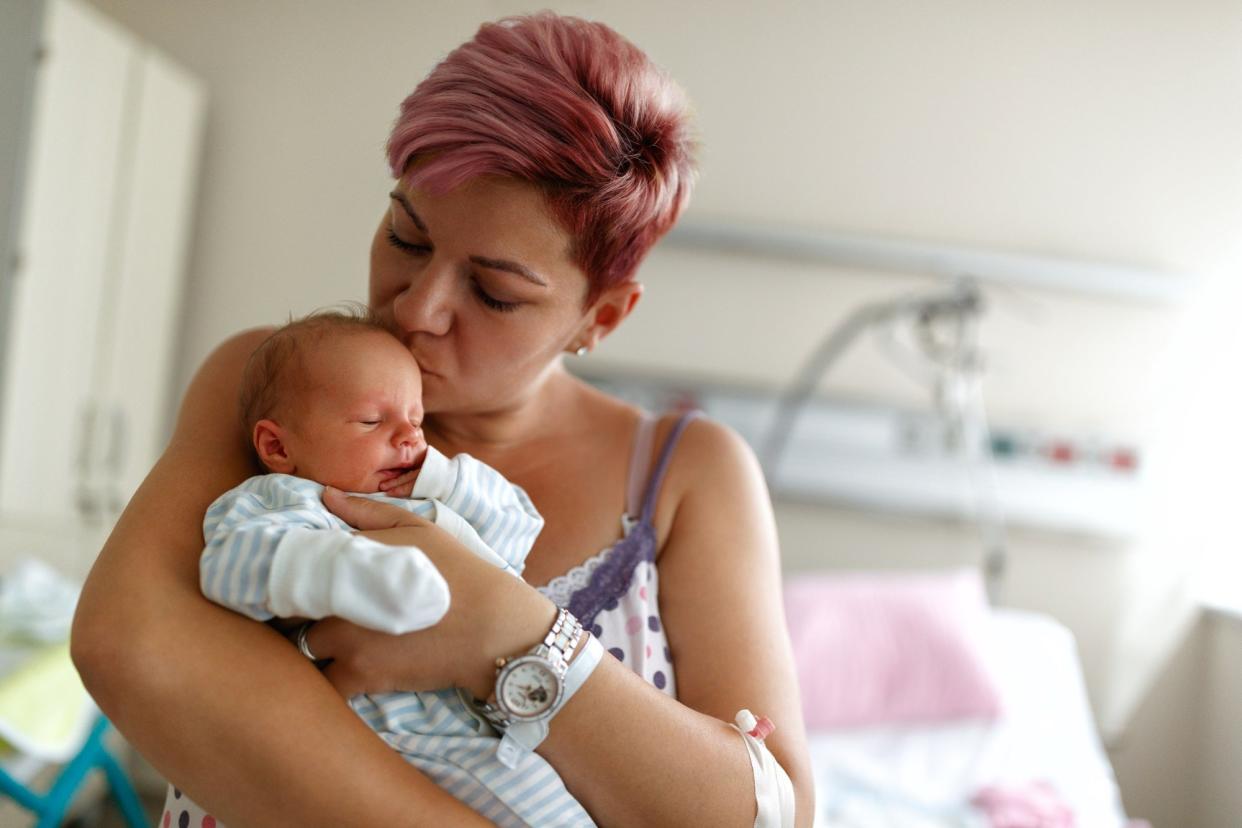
{"type": "Point", "coordinates": [426, 306]}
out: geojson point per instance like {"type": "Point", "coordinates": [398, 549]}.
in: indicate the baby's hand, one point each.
{"type": "Point", "coordinates": [401, 486]}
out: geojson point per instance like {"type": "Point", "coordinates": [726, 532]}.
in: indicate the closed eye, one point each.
{"type": "Point", "coordinates": [492, 302]}
{"type": "Point", "coordinates": [401, 244]}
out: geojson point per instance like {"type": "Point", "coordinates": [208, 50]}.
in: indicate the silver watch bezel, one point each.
{"type": "Point", "coordinates": [506, 671]}
{"type": "Point", "coordinates": [554, 652]}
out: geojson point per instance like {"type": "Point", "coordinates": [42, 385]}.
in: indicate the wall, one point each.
{"type": "Point", "coordinates": [1189, 721]}
{"type": "Point", "coordinates": [18, 40]}
{"type": "Point", "coordinates": [1218, 798]}
{"type": "Point", "coordinates": [1158, 759]}
{"type": "Point", "coordinates": [1105, 131]}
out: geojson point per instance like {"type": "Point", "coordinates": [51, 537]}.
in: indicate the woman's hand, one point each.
{"type": "Point", "coordinates": [365, 514]}
{"type": "Point", "coordinates": [491, 614]}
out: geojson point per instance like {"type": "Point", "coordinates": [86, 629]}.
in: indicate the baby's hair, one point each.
{"type": "Point", "coordinates": [278, 367]}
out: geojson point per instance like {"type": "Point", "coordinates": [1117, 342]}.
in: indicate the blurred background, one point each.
{"type": "Point", "coordinates": [1082, 162]}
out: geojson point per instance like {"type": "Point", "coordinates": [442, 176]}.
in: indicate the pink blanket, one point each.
{"type": "Point", "coordinates": [1030, 805]}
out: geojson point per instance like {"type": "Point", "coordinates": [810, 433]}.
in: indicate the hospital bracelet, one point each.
{"type": "Point", "coordinates": [580, 668]}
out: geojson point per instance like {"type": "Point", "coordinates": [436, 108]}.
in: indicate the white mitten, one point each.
{"type": "Point", "coordinates": [393, 589]}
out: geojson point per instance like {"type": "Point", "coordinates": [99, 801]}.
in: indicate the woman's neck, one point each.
{"type": "Point", "coordinates": [524, 421]}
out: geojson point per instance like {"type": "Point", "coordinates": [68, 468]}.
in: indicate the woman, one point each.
{"type": "Point", "coordinates": [536, 166]}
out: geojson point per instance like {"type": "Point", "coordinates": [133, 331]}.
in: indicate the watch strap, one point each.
{"type": "Point", "coordinates": [558, 645]}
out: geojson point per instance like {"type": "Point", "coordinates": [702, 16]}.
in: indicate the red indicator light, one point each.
{"type": "Point", "coordinates": [1061, 453]}
{"type": "Point", "coordinates": [1124, 460]}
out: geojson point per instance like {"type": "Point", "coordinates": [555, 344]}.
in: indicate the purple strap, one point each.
{"type": "Point", "coordinates": [657, 477]}
{"type": "Point", "coordinates": [640, 464]}
{"type": "Point", "coordinates": [612, 577]}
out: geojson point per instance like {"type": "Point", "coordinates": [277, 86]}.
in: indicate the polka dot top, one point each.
{"type": "Point", "coordinates": [615, 594]}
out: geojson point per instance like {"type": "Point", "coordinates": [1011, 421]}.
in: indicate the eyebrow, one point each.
{"type": "Point", "coordinates": [510, 267]}
{"type": "Point", "coordinates": [409, 211]}
{"type": "Point", "coordinates": [482, 261]}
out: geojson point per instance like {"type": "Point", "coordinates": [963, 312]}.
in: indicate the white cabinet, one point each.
{"type": "Point", "coordinates": [95, 297]}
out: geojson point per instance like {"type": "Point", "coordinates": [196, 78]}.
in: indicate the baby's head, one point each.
{"type": "Point", "coordinates": [335, 398]}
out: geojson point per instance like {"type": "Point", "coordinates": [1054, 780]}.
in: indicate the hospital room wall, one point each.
{"type": "Point", "coordinates": [1103, 131]}
{"type": "Point", "coordinates": [1218, 797]}
{"type": "Point", "coordinates": [1179, 761]}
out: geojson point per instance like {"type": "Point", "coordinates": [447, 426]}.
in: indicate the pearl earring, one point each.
{"type": "Point", "coordinates": [582, 351]}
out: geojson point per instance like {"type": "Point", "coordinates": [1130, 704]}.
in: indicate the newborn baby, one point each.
{"type": "Point", "coordinates": [335, 399]}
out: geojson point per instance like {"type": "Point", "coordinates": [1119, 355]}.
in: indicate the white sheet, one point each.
{"type": "Point", "coordinates": [911, 777]}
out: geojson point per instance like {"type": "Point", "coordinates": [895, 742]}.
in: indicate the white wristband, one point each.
{"type": "Point", "coordinates": [580, 669]}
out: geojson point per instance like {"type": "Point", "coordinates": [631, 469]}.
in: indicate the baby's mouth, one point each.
{"type": "Point", "coordinates": [396, 471]}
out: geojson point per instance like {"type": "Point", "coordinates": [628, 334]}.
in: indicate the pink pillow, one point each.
{"type": "Point", "coordinates": [878, 649]}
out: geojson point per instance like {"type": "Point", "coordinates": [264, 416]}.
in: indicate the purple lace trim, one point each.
{"type": "Point", "coordinates": [612, 578]}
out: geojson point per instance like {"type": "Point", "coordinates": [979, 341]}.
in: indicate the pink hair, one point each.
{"type": "Point", "coordinates": [571, 106]}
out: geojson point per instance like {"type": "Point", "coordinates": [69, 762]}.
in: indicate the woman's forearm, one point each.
{"type": "Point", "coordinates": [231, 713]}
{"type": "Point", "coordinates": [633, 756]}
{"type": "Point", "coordinates": [665, 763]}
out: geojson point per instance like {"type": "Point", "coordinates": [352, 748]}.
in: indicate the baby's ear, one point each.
{"type": "Point", "coordinates": [269, 444]}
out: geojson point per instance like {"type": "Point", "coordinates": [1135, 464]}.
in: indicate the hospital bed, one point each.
{"type": "Point", "coordinates": [1027, 756]}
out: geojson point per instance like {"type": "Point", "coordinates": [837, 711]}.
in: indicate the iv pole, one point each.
{"type": "Point", "coordinates": [957, 394]}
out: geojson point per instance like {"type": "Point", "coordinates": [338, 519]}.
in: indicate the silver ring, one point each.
{"type": "Point", "coordinates": [303, 647]}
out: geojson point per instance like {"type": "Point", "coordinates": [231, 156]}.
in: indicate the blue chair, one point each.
{"type": "Point", "coordinates": [50, 807]}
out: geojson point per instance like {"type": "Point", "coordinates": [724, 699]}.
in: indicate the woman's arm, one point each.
{"type": "Point", "coordinates": [720, 598]}
{"type": "Point", "coordinates": [632, 755]}
{"type": "Point", "coordinates": [220, 704]}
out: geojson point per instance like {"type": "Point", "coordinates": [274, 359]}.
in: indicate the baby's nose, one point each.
{"type": "Point", "coordinates": [408, 434]}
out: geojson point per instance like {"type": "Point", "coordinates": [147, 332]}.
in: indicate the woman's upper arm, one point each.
{"type": "Point", "coordinates": [720, 594]}
{"type": "Point", "coordinates": [151, 557]}
{"type": "Point", "coordinates": [221, 705]}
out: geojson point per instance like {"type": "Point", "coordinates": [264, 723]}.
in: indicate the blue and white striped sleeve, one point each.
{"type": "Point", "coordinates": [273, 550]}
{"type": "Point", "coordinates": [499, 511]}
{"type": "Point", "coordinates": [243, 528]}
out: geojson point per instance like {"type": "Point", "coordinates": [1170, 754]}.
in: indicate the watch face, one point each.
{"type": "Point", "coordinates": [528, 688]}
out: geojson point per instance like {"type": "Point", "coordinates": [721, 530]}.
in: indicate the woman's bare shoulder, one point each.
{"type": "Point", "coordinates": [710, 450]}
{"type": "Point", "coordinates": [226, 360]}
{"type": "Point", "coordinates": [710, 465]}
{"type": "Point", "coordinates": [215, 385]}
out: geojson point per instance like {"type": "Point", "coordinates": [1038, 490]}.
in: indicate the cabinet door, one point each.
{"type": "Point", "coordinates": [65, 243]}
{"type": "Point", "coordinates": [143, 299]}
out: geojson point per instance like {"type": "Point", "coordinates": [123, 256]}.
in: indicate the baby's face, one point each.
{"type": "Point", "coordinates": [361, 421]}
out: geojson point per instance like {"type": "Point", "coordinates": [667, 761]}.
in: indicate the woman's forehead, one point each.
{"type": "Point", "coordinates": [492, 218]}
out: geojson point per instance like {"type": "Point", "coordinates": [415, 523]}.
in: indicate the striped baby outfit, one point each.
{"type": "Point", "coordinates": [274, 550]}
{"type": "Point", "coordinates": [615, 594]}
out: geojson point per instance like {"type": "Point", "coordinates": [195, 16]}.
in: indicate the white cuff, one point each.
{"type": "Point", "coordinates": [456, 525]}
{"type": "Point", "coordinates": [774, 795]}
{"type": "Point", "coordinates": [436, 477]}
{"type": "Point", "coordinates": [394, 589]}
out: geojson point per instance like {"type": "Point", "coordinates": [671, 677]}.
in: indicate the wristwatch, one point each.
{"type": "Point", "coordinates": [530, 688]}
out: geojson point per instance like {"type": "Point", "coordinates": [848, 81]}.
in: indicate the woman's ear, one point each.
{"type": "Point", "coordinates": [269, 444]}
{"type": "Point", "coordinates": [609, 311]}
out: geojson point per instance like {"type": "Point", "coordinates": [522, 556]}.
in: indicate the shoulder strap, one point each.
{"type": "Point", "coordinates": [657, 477]}
{"type": "Point", "coordinates": [640, 460]}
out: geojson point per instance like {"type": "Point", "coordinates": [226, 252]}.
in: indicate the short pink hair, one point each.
{"type": "Point", "coordinates": [571, 106]}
